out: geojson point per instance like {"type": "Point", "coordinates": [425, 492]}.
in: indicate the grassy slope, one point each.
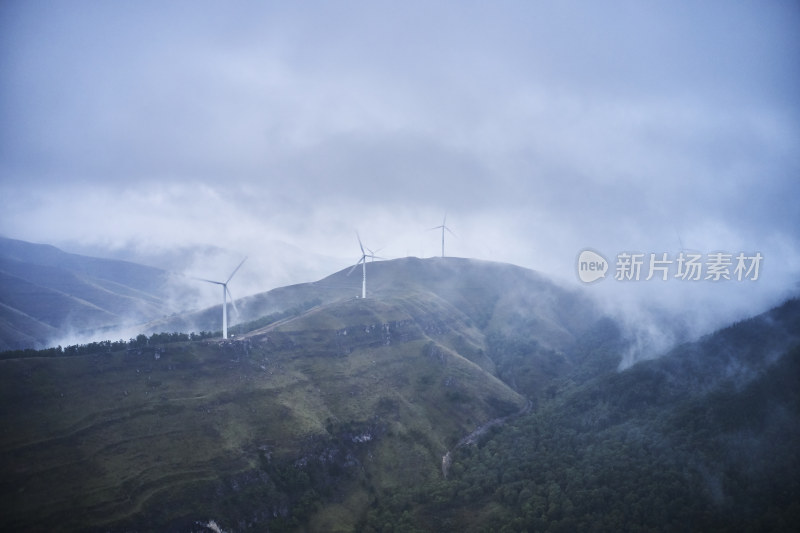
{"type": "Point", "coordinates": [95, 440]}
{"type": "Point", "coordinates": [212, 430]}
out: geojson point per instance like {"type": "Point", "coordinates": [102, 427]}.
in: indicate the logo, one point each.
{"type": "Point", "coordinates": [685, 266]}
{"type": "Point", "coordinates": [591, 266]}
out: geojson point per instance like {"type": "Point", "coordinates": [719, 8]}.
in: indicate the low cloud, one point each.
{"type": "Point", "coordinates": [190, 138]}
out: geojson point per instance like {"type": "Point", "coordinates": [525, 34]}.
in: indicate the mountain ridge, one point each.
{"type": "Point", "coordinates": [406, 373]}
{"type": "Point", "coordinates": [42, 285]}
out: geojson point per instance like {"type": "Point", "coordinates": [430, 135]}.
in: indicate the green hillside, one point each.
{"type": "Point", "coordinates": [300, 422]}
{"type": "Point", "coordinates": [704, 438]}
{"type": "Point", "coordinates": [460, 395]}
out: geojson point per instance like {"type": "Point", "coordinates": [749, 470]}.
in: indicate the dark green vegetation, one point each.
{"type": "Point", "coordinates": [703, 439]}
{"type": "Point", "coordinates": [336, 414]}
{"type": "Point", "coordinates": [141, 343]}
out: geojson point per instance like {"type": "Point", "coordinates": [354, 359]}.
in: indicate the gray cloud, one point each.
{"type": "Point", "coordinates": [276, 130]}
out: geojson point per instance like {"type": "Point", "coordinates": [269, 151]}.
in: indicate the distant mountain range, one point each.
{"type": "Point", "coordinates": [46, 293]}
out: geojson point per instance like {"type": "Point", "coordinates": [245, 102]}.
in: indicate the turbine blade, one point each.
{"type": "Point", "coordinates": [451, 231]}
{"type": "Point", "coordinates": [359, 243]}
{"type": "Point", "coordinates": [236, 270]}
{"type": "Point", "coordinates": [233, 302]}
{"type": "Point", "coordinates": [363, 258]}
{"type": "Point", "coordinates": [209, 281]}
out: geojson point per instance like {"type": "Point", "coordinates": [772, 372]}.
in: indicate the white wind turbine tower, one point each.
{"type": "Point", "coordinates": [225, 293]}
{"type": "Point", "coordinates": [363, 262]}
{"type": "Point", "coordinates": [443, 227]}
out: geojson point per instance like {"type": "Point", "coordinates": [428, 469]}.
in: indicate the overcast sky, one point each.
{"type": "Point", "coordinates": [277, 129]}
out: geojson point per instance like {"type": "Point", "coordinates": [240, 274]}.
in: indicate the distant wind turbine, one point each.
{"type": "Point", "coordinates": [372, 255]}
{"type": "Point", "coordinates": [225, 293]}
{"type": "Point", "coordinates": [363, 262]}
{"type": "Point", "coordinates": [680, 241]}
{"type": "Point", "coordinates": [443, 227]}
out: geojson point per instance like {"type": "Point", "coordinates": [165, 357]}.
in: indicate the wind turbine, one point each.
{"type": "Point", "coordinates": [443, 227]}
{"type": "Point", "coordinates": [680, 241]}
{"type": "Point", "coordinates": [363, 262]}
{"type": "Point", "coordinates": [225, 293]}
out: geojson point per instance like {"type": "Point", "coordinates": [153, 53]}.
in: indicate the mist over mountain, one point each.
{"type": "Point", "coordinates": [47, 294]}
{"type": "Point", "coordinates": [703, 438]}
